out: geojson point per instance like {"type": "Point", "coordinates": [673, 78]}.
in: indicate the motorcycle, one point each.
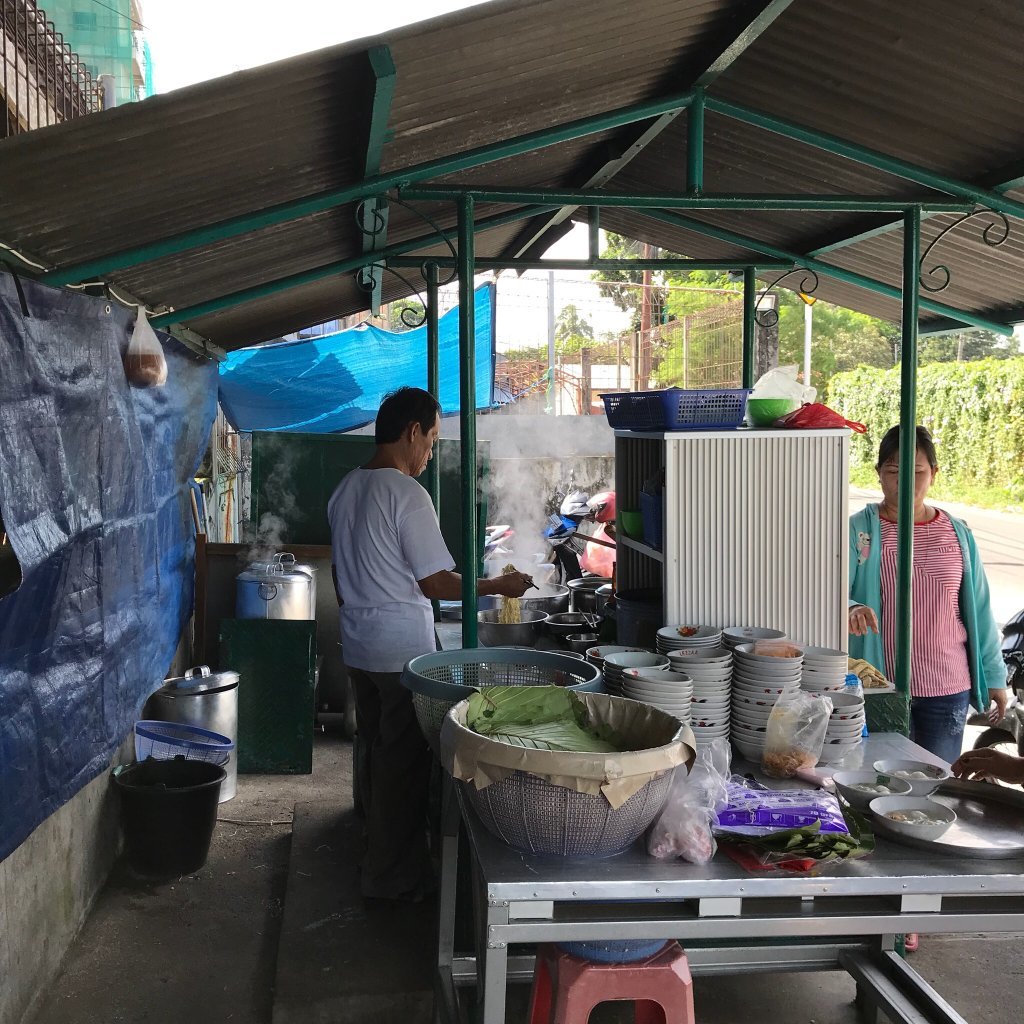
{"type": "Point", "coordinates": [1008, 734]}
{"type": "Point", "coordinates": [574, 551]}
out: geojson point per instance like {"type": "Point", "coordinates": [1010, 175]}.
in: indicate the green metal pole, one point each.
{"type": "Point", "coordinates": [433, 374]}
{"type": "Point", "coordinates": [467, 418]}
{"type": "Point", "coordinates": [908, 448]}
{"type": "Point", "coordinates": [695, 144]}
{"type": "Point", "coordinates": [827, 269]}
{"type": "Point", "coordinates": [333, 269]}
{"type": "Point", "coordinates": [764, 201]}
{"type": "Point", "coordinates": [380, 183]}
{"type": "Point", "coordinates": [868, 157]}
{"type": "Point", "coordinates": [749, 324]}
{"type": "Point", "coordinates": [434, 387]}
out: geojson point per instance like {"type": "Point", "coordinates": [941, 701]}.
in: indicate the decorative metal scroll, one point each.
{"type": "Point", "coordinates": [808, 286]}
{"type": "Point", "coordinates": [937, 278]}
{"type": "Point", "coordinates": [372, 223]}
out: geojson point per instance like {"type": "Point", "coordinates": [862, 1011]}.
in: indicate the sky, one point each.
{"type": "Point", "coordinates": [193, 40]}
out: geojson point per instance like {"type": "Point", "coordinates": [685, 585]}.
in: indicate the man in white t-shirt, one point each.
{"type": "Point", "coordinates": [390, 561]}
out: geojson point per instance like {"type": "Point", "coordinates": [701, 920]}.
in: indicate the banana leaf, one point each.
{"type": "Point", "coordinates": [539, 717]}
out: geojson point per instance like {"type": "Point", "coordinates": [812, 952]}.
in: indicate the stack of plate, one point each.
{"type": "Point", "coordinates": [757, 683]}
{"type": "Point", "coordinates": [687, 638]}
{"type": "Point", "coordinates": [617, 662]}
{"type": "Point", "coordinates": [824, 669]}
{"type": "Point", "coordinates": [733, 636]}
{"type": "Point", "coordinates": [845, 726]}
{"type": "Point", "coordinates": [670, 691]}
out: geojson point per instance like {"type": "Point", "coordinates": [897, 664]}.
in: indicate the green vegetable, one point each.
{"type": "Point", "coordinates": [539, 717]}
{"type": "Point", "coordinates": [810, 842]}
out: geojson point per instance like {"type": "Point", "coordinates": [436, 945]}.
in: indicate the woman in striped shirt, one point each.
{"type": "Point", "coordinates": [955, 657]}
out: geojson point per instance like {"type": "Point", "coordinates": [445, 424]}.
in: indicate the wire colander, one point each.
{"type": "Point", "coordinates": [537, 816]}
{"type": "Point", "coordinates": [439, 681]}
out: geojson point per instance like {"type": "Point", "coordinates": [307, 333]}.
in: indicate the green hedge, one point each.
{"type": "Point", "coordinates": [975, 412]}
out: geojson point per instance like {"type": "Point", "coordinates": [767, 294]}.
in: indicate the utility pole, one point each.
{"type": "Point", "coordinates": [644, 359]}
{"type": "Point", "coordinates": [552, 397]}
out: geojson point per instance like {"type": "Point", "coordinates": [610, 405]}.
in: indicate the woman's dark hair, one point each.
{"type": "Point", "coordinates": [402, 407]}
{"type": "Point", "coordinates": [891, 445]}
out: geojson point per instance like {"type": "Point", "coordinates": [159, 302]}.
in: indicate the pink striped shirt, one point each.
{"type": "Point", "coordinates": [938, 658]}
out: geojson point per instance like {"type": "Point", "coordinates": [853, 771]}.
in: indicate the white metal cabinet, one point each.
{"type": "Point", "coordinates": [755, 530]}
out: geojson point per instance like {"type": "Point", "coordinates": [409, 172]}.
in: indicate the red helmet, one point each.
{"type": "Point", "coordinates": [602, 506]}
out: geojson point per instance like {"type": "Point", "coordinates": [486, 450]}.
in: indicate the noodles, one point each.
{"type": "Point", "coordinates": [510, 612]}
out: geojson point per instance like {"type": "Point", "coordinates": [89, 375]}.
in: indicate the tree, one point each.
{"type": "Point", "coordinates": [966, 346]}
{"type": "Point", "coordinates": [610, 282]}
{"type": "Point", "coordinates": [572, 331]}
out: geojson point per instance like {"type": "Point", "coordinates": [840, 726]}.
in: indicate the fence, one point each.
{"type": "Point", "coordinates": [43, 81]}
{"type": "Point", "coordinates": [702, 350]}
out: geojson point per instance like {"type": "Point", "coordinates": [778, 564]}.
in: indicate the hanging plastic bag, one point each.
{"type": "Point", "coordinates": [683, 829]}
{"type": "Point", "coordinates": [818, 415]}
{"type": "Point", "coordinates": [795, 734]}
{"type": "Point", "coordinates": [781, 382]}
{"type": "Point", "coordinates": [144, 362]}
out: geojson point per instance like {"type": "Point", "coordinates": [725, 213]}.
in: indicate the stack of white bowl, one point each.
{"type": "Point", "coordinates": [687, 638]}
{"type": "Point", "coordinates": [824, 670]}
{"type": "Point", "coordinates": [618, 661]}
{"type": "Point", "coordinates": [711, 672]}
{"type": "Point", "coordinates": [597, 653]}
{"type": "Point", "coordinates": [845, 727]}
{"type": "Point", "coordinates": [670, 691]}
{"type": "Point", "coordinates": [733, 636]}
{"type": "Point", "coordinates": [757, 683]}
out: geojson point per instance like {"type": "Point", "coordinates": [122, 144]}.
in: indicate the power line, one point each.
{"type": "Point", "coordinates": [114, 10]}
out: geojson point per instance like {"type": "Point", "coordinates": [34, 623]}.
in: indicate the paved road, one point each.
{"type": "Point", "coordinates": [1000, 537]}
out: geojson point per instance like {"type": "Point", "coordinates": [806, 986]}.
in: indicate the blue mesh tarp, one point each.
{"type": "Point", "coordinates": [336, 383]}
{"type": "Point", "coordinates": [94, 494]}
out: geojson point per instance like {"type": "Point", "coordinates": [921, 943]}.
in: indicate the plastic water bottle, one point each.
{"type": "Point", "coordinates": [855, 687]}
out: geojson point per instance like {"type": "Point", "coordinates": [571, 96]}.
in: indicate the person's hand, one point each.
{"type": "Point", "coordinates": [988, 764]}
{"type": "Point", "coordinates": [862, 619]}
{"type": "Point", "coordinates": [1001, 697]}
{"type": "Point", "coordinates": [512, 584]}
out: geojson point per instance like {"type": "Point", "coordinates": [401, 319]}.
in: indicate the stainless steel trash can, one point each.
{"type": "Point", "coordinates": [208, 700]}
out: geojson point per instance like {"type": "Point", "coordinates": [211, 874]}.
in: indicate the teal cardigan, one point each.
{"type": "Point", "coordinates": [984, 657]}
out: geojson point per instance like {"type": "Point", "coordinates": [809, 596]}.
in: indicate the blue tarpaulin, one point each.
{"type": "Point", "coordinates": [336, 383]}
{"type": "Point", "coordinates": [94, 495]}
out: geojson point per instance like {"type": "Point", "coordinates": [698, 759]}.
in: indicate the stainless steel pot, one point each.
{"type": "Point", "coordinates": [208, 700]}
{"type": "Point", "coordinates": [524, 633]}
{"type": "Point", "coordinates": [276, 590]}
{"type": "Point", "coordinates": [549, 604]}
{"type": "Point", "coordinates": [583, 593]}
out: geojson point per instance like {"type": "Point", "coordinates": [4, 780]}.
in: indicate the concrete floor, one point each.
{"type": "Point", "coordinates": [204, 948]}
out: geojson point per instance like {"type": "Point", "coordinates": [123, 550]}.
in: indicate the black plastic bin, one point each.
{"type": "Point", "coordinates": [168, 812]}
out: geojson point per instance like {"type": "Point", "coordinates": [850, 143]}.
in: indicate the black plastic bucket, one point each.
{"type": "Point", "coordinates": [168, 812]}
{"type": "Point", "coordinates": [640, 616]}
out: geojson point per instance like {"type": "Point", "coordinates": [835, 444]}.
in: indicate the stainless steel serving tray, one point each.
{"type": "Point", "coordinates": [989, 825]}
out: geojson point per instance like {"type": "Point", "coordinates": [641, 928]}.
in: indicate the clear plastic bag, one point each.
{"type": "Point", "coordinates": [144, 362]}
{"type": "Point", "coordinates": [683, 829]}
{"type": "Point", "coordinates": [795, 734]}
{"type": "Point", "coordinates": [781, 382]}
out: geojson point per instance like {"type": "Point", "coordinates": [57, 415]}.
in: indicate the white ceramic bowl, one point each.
{"type": "Point", "coordinates": [751, 751]}
{"type": "Point", "coordinates": [753, 689]}
{"type": "Point", "coordinates": [918, 787]}
{"type": "Point", "coordinates": [746, 634]}
{"type": "Point", "coordinates": [881, 807]}
{"type": "Point", "coordinates": [845, 781]}
{"type": "Point", "coordinates": [636, 659]}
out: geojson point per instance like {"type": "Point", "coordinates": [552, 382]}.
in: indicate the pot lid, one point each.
{"type": "Point", "coordinates": [198, 680]}
{"type": "Point", "coordinates": [278, 571]}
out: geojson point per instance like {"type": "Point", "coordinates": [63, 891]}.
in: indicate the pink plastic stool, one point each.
{"type": "Point", "coordinates": [566, 989]}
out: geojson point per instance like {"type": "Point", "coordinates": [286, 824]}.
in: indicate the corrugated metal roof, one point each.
{"type": "Point", "coordinates": [877, 73]}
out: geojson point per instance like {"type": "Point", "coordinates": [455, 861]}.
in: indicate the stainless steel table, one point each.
{"type": "Point", "coordinates": [728, 920]}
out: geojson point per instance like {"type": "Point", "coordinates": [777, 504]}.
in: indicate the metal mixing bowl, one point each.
{"type": "Point", "coordinates": [524, 633]}
{"type": "Point", "coordinates": [582, 642]}
{"type": "Point", "coordinates": [549, 604]}
{"type": "Point", "coordinates": [565, 623]}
